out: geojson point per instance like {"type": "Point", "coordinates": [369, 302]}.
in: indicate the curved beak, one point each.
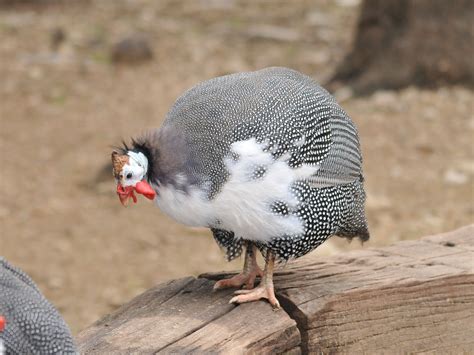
{"type": "Point", "coordinates": [124, 194]}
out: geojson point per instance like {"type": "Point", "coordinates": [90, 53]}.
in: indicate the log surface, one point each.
{"type": "Point", "coordinates": [414, 296]}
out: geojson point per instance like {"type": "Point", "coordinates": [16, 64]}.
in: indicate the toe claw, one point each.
{"type": "Point", "coordinates": [246, 279]}
{"type": "Point", "coordinates": [275, 305]}
{"type": "Point", "coordinates": [242, 296]}
{"type": "Point", "coordinates": [217, 286]}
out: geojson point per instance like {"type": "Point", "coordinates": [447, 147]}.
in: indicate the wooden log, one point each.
{"type": "Point", "coordinates": [414, 296]}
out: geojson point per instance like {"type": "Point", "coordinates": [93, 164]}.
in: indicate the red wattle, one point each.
{"type": "Point", "coordinates": [145, 189]}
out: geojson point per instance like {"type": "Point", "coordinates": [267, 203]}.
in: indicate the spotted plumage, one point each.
{"type": "Point", "coordinates": [227, 241]}
{"type": "Point", "coordinates": [289, 114]}
{"type": "Point", "coordinates": [265, 158]}
{"type": "Point", "coordinates": [33, 325]}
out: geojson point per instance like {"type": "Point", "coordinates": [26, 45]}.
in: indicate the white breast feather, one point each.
{"type": "Point", "coordinates": [243, 204]}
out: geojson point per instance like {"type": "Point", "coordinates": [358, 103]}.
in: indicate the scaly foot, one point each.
{"type": "Point", "coordinates": [256, 294]}
{"type": "Point", "coordinates": [244, 278]}
{"type": "Point", "coordinates": [248, 275]}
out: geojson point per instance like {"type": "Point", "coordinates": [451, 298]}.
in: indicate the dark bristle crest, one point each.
{"type": "Point", "coordinates": [125, 146]}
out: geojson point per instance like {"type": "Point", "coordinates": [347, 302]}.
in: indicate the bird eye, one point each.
{"type": "Point", "coordinates": [129, 175]}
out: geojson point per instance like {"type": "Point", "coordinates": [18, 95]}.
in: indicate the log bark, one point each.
{"type": "Point", "coordinates": [414, 296]}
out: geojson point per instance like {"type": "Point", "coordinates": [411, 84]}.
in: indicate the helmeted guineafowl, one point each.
{"type": "Point", "coordinates": [268, 160]}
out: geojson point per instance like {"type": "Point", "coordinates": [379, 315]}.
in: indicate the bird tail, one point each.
{"type": "Point", "coordinates": [362, 233]}
{"type": "Point", "coordinates": [354, 224]}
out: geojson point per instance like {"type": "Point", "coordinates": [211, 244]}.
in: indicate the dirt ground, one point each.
{"type": "Point", "coordinates": [61, 111]}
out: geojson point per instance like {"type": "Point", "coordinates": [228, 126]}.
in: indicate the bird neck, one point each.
{"type": "Point", "coordinates": [169, 158]}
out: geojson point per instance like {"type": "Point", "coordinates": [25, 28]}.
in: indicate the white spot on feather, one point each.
{"type": "Point", "coordinates": [300, 141]}
{"type": "Point", "coordinates": [243, 204]}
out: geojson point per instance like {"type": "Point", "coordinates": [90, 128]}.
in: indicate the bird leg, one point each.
{"type": "Point", "coordinates": [264, 290]}
{"type": "Point", "coordinates": [249, 273]}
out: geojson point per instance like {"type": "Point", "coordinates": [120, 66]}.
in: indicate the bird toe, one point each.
{"type": "Point", "coordinates": [243, 296]}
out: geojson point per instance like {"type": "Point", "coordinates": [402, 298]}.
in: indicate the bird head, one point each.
{"type": "Point", "coordinates": [130, 171]}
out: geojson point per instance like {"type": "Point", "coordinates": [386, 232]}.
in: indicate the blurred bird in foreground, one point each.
{"type": "Point", "coordinates": [267, 160]}
{"type": "Point", "coordinates": [29, 324]}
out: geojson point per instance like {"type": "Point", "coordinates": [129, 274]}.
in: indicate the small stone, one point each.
{"type": "Point", "coordinates": [455, 177]}
{"type": "Point", "coordinates": [270, 32]}
{"type": "Point", "coordinates": [131, 50]}
{"type": "Point", "coordinates": [57, 38]}
{"type": "Point", "coordinates": [425, 149]}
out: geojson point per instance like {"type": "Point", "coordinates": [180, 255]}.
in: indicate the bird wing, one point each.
{"type": "Point", "coordinates": [335, 148]}
{"type": "Point", "coordinates": [279, 107]}
{"type": "Point", "coordinates": [323, 135]}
